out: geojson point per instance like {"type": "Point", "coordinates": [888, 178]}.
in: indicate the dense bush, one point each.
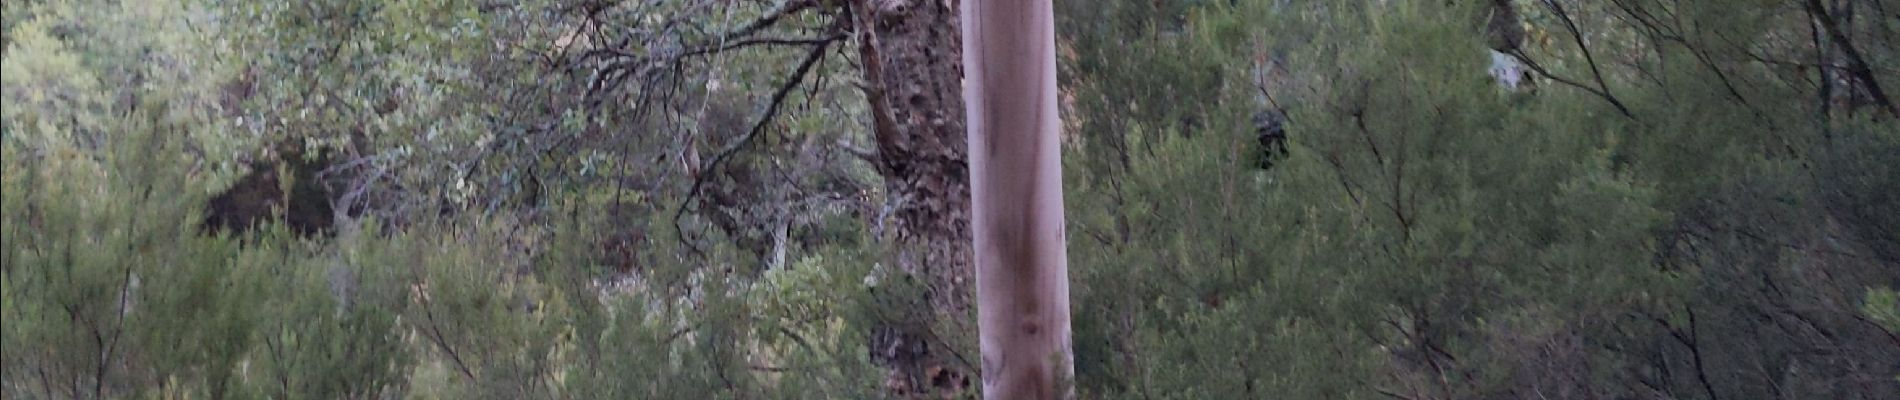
{"type": "Point", "coordinates": [1674, 209]}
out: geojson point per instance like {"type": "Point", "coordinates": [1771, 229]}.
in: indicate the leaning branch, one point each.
{"type": "Point", "coordinates": [434, 334]}
{"type": "Point", "coordinates": [766, 41]}
{"type": "Point", "coordinates": [884, 128]}
{"type": "Point", "coordinates": [1856, 64]}
{"type": "Point", "coordinates": [771, 111]}
{"type": "Point", "coordinates": [770, 17]}
{"type": "Point", "coordinates": [620, 63]}
{"type": "Point", "coordinates": [736, 35]}
{"type": "Point", "coordinates": [1541, 71]}
{"type": "Point", "coordinates": [1602, 87]}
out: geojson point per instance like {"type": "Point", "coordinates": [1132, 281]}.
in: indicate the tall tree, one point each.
{"type": "Point", "coordinates": [907, 53]}
{"type": "Point", "coordinates": [1016, 192]}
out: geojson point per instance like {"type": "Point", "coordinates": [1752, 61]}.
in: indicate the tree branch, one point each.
{"type": "Point", "coordinates": [1603, 87]}
{"type": "Point", "coordinates": [1856, 64]}
{"type": "Point", "coordinates": [435, 333]}
{"type": "Point", "coordinates": [766, 41]}
{"type": "Point", "coordinates": [770, 17]}
{"type": "Point", "coordinates": [771, 110]}
{"type": "Point", "coordinates": [1541, 71]}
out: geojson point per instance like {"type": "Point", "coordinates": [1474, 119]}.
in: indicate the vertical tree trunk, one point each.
{"type": "Point", "coordinates": [1016, 174]}
{"type": "Point", "coordinates": [909, 50]}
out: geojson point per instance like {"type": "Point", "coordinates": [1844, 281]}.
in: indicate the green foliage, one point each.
{"type": "Point", "coordinates": [96, 232]}
{"type": "Point", "coordinates": [102, 205]}
{"type": "Point", "coordinates": [1434, 236]}
{"type": "Point", "coordinates": [1678, 210]}
{"type": "Point", "coordinates": [1884, 307]}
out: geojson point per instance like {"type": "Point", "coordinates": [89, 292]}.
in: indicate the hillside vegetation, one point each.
{"type": "Point", "coordinates": [748, 199]}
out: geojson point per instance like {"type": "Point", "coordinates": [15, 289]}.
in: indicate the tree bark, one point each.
{"type": "Point", "coordinates": [909, 50]}
{"type": "Point", "coordinates": [1016, 175]}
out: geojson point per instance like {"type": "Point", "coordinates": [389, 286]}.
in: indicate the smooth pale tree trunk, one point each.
{"type": "Point", "coordinates": [1022, 284]}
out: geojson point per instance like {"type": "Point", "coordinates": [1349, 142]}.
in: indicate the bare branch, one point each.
{"type": "Point", "coordinates": [1602, 88]}
{"type": "Point", "coordinates": [771, 111]}
{"type": "Point", "coordinates": [1856, 64]}
{"type": "Point", "coordinates": [434, 333]}
{"type": "Point", "coordinates": [768, 19]}
{"type": "Point", "coordinates": [766, 41]}
{"type": "Point", "coordinates": [1541, 71]}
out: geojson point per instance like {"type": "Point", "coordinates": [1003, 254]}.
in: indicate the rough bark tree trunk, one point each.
{"type": "Point", "coordinates": [1016, 174]}
{"type": "Point", "coordinates": [910, 54]}
{"type": "Point", "coordinates": [909, 50]}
